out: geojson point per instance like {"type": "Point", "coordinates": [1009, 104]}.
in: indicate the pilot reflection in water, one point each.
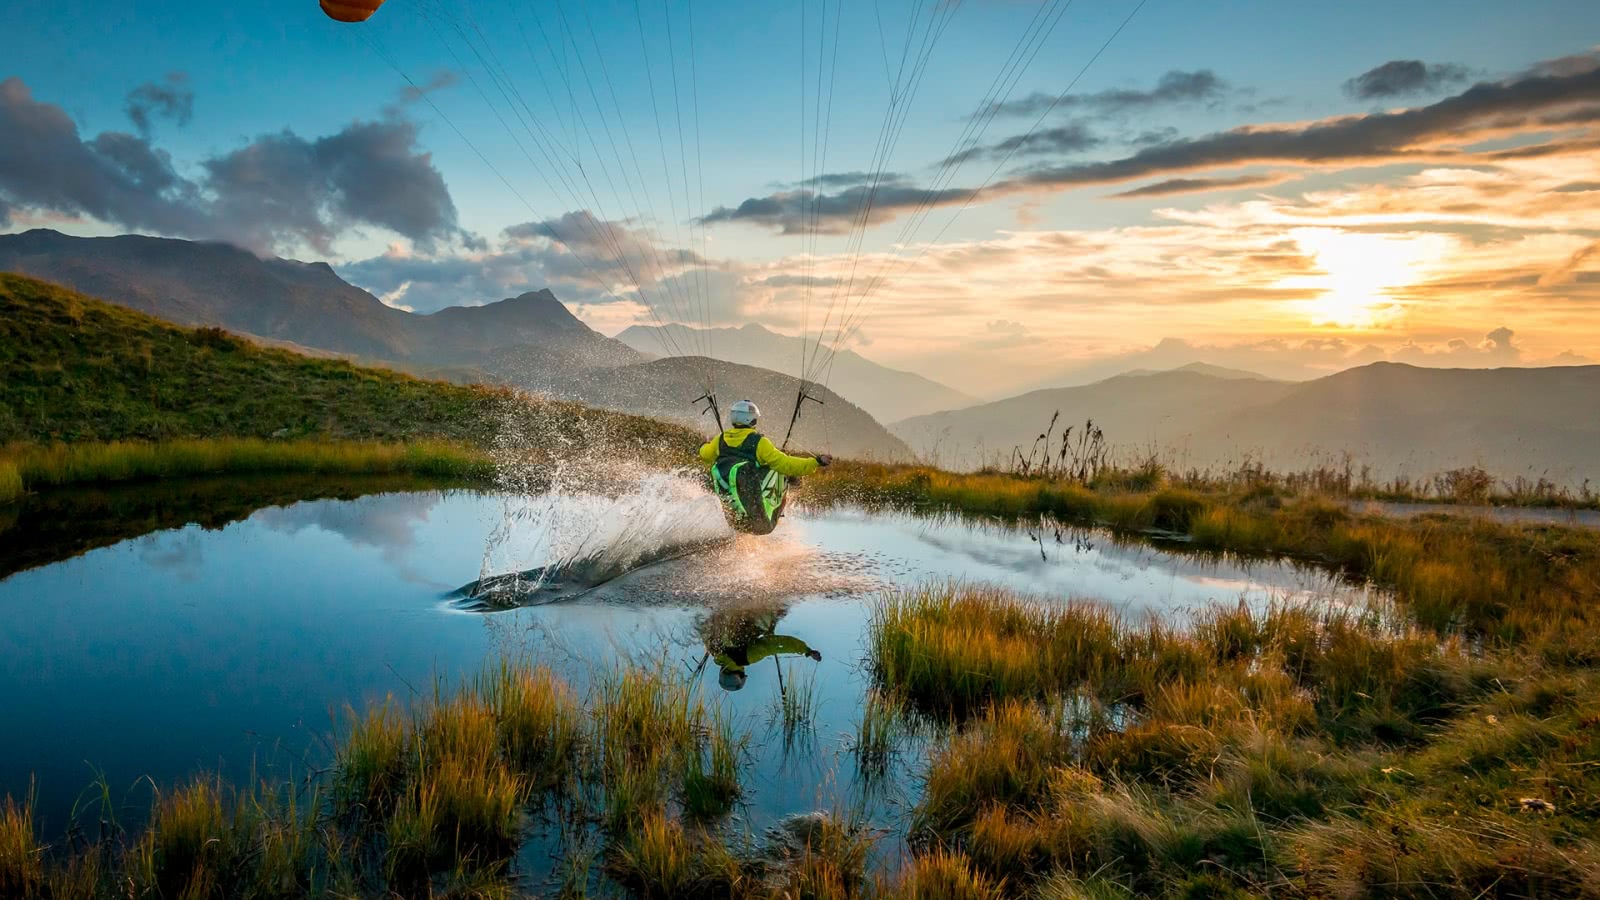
{"type": "Point", "coordinates": [737, 639]}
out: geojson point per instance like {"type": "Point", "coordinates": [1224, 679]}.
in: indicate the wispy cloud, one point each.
{"type": "Point", "coordinates": [168, 99]}
{"type": "Point", "coordinates": [1174, 186]}
{"type": "Point", "coordinates": [1405, 77]}
{"type": "Point", "coordinates": [1173, 88]}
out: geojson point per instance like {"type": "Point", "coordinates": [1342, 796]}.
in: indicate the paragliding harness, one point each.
{"type": "Point", "coordinates": [753, 492]}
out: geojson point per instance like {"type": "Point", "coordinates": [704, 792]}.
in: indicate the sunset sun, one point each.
{"type": "Point", "coordinates": [1359, 274]}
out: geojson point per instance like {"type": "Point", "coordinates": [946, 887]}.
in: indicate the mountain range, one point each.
{"type": "Point", "coordinates": [885, 393]}
{"type": "Point", "coordinates": [306, 304]}
{"type": "Point", "coordinates": [531, 341]}
{"type": "Point", "coordinates": [1399, 419]}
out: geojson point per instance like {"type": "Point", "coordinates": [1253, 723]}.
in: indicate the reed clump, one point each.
{"type": "Point", "coordinates": [662, 860]}
{"type": "Point", "coordinates": [944, 875]}
{"type": "Point", "coordinates": [21, 854]}
{"type": "Point", "coordinates": [371, 762]}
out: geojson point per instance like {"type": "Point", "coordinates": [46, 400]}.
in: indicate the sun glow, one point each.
{"type": "Point", "coordinates": [1360, 274]}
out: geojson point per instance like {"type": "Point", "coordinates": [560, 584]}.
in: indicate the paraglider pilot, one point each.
{"type": "Point", "coordinates": [750, 473]}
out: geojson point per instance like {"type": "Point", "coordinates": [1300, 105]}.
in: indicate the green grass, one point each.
{"type": "Point", "coordinates": [35, 467]}
{"type": "Point", "coordinates": [96, 393]}
{"type": "Point", "coordinates": [797, 705]}
{"type": "Point", "coordinates": [879, 731]}
{"type": "Point", "coordinates": [11, 483]}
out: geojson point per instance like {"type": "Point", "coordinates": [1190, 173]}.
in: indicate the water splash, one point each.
{"type": "Point", "coordinates": [561, 542]}
{"type": "Point", "coordinates": [578, 509]}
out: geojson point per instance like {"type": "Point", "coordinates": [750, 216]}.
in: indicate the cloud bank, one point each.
{"type": "Point", "coordinates": [277, 193]}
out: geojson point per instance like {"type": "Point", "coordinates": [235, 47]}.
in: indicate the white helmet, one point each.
{"type": "Point", "coordinates": [743, 413]}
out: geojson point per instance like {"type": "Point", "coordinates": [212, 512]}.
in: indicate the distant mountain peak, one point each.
{"type": "Point", "coordinates": [1205, 368]}
{"type": "Point", "coordinates": [1198, 368]}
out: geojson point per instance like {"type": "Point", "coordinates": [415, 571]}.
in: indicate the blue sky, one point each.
{"type": "Point", "coordinates": [257, 68]}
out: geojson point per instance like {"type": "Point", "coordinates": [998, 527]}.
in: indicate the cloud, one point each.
{"type": "Point", "coordinates": [1071, 138]}
{"type": "Point", "coordinates": [1567, 272]}
{"type": "Point", "coordinates": [584, 259]}
{"type": "Point", "coordinates": [1439, 132]}
{"type": "Point", "coordinates": [282, 187]}
{"type": "Point", "coordinates": [1405, 77]}
{"type": "Point", "coordinates": [169, 100]}
{"type": "Point", "coordinates": [1496, 349]}
{"type": "Point", "coordinates": [116, 177]}
{"type": "Point", "coordinates": [442, 79]}
{"type": "Point", "coordinates": [1173, 88]}
{"type": "Point", "coordinates": [277, 192]}
{"type": "Point", "coordinates": [784, 281]}
{"type": "Point", "coordinates": [797, 212]}
{"type": "Point", "coordinates": [838, 180]}
{"type": "Point", "coordinates": [1174, 186]}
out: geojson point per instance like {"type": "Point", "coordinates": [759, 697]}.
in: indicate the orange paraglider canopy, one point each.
{"type": "Point", "coordinates": [350, 10]}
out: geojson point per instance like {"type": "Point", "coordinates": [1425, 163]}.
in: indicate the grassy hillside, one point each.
{"type": "Point", "coordinates": [77, 369]}
{"type": "Point", "coordinates": [95, 392]}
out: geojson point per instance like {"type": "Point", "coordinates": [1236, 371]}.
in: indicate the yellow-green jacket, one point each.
{"type": "Point", "coordinates": [735, 659]}
{"type": "Point", "coordinates": [767, 454]}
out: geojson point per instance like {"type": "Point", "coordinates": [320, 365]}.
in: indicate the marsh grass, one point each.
{"type": "Point", "coordinates": [1307, 751]}
{"type": "Point", "coordinates": [798, 705]}
{"type": "Point", "coordinates": [1254, 752]}
{"type": "Point", "coordinates": [11, 485]}
{"type": "Point", "coordinates": [662, 860]}
{"type": "Point", "coordinates": [539, 719]}
{"type": "Point", "coordinates": [436, 800]}
{"type": "Point", "coordinates": [879, 732]}
{"type": "Point", "coordinates": [831, 859]}
{"type": "Point", "coordinates": [944, 875]}
{"type": "Point", "coordinates": [35, 467]}
{"type": "Point", "coordinates": [21, 854]}
{"type": "Point", "coordinates": [1288, 750]}
{"type": "Point", "coordinates": [1452, 575]}
{"type": "Point", "coordinates": [711, 773]}
{"type": "Point", "coordinates": [370, 763]}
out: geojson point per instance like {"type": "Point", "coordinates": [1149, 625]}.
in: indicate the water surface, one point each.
{"type": "Point", "coordinates": [231, 648]}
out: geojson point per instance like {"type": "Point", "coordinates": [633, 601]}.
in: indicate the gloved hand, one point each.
{"type": "Point", "coordinates": [815, 654]}
{"type": "Point", "coordinates": [824, 460]}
